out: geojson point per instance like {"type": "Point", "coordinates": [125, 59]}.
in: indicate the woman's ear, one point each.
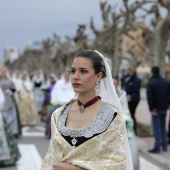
{"type": "Point", "coordinates": [99, 76]}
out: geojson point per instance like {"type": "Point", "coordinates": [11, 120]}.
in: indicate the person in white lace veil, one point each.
{"type": "Point", "coordinates": [108, 94]}
{"type": "Point", "coordinates": [89, 132]}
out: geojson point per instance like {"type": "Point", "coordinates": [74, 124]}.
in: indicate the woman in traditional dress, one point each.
{"type": "Point", "coordinates": [38, 81]}
{"type": "Point", "coordinates": [9, 109]}
{"type": "Point", "coordinates": [9, 152]}
{"type": "Point", "coordinates": [89, 133]}
{"type": "Point", "coordinates": [26, 105]}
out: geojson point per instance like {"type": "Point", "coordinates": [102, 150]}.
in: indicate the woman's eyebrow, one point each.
{"type": "Point", "coordinates": [84, 68]}
{"type": "Point", "coordinates": [81, 68]}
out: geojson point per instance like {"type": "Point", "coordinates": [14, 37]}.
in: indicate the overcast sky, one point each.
{"type": "Point", "coordinates": [22, 21]}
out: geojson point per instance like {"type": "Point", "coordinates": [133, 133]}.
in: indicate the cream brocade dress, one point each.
{"type": "Point", "coordinates": [27, 108]}
{"type": "Point", "coordinates": [103, 148]}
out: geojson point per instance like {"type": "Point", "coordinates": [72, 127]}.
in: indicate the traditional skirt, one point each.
{"type": "Point", "coordinates": [9, 152]}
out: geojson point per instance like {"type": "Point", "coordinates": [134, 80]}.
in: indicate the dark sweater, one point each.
{"type": "Point", "coordinates": [158, 93]}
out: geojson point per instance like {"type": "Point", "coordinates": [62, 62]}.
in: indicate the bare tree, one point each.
{"type": "Point", "coordinates": [126, 20]}
{"type": "Point", "coordinates": [149, 45]}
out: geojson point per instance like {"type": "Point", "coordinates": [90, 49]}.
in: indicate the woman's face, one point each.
{"type": "Point", "coordinates": [83, 77]}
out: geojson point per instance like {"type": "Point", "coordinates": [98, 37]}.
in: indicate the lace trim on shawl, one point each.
{"type": "Point", "coordinates": [100, 124]}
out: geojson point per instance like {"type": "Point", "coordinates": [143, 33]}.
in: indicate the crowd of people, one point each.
{"type": "Point", "coordinates": [158, 99]}
{"type": "Point", "coordinates": [88, 104]}
{"type": "Point", "coordinates": [26, 100]}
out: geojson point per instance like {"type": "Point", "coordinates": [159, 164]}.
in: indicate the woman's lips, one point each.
{"type": "Point", "coordinates": [76, 84]}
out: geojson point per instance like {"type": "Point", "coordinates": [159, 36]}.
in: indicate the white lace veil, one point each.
{"type": "Point", "coordinates": [108, 94]}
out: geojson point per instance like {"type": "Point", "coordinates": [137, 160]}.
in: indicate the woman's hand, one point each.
{"type": "Point", "coordinates": [65, 166]}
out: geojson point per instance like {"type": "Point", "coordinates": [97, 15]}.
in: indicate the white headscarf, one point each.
{"type": "Point", "coordinates": [108, 94]}
{"type": "Point", "coordinates": [107, 88]}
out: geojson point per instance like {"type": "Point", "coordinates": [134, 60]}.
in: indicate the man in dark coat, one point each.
{"type": "Point", "coordinates": [158, 93]}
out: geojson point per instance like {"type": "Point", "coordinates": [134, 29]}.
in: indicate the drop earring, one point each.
{"type": "Point", "coordinates": [97, 88]}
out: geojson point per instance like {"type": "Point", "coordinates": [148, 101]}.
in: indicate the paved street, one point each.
{"type": "Point", "coordinates": [33, 146]}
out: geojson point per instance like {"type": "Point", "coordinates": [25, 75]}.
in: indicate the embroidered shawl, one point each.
{"type": "Point", "coordinates": [105, 151]}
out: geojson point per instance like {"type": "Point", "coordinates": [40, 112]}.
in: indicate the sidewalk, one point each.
{"type": "Point", "coordinates": [145, 143]}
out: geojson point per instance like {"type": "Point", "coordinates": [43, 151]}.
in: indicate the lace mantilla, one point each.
{"type": "Point", "coordinates": [100, 124]}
